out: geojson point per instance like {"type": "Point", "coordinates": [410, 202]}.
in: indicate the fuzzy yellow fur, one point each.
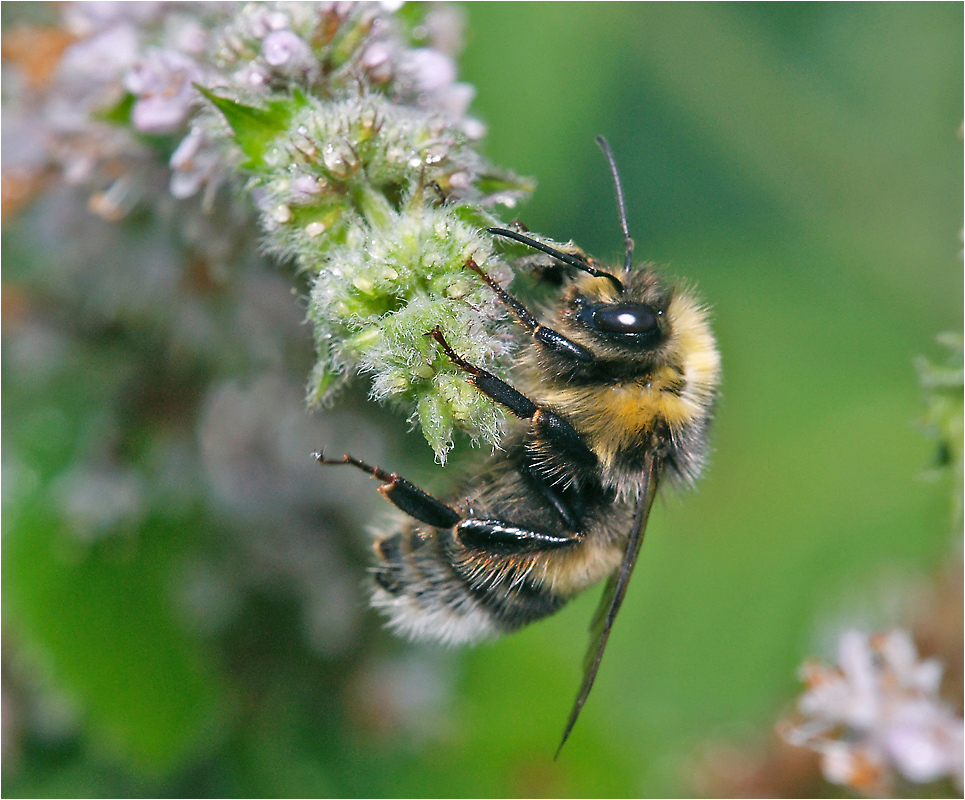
{"type": "Point", "coordinates": [679, 393]}
{"type": "Point", "coordinates": [571, 572]}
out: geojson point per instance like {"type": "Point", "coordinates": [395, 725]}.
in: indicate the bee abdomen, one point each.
{"type": "Point", "coordinates": [514, 604]}
{"type": "Point", "coordinates": [430, 590]}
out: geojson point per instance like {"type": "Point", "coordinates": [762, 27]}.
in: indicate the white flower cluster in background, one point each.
{"type": "Point", "coordinates": [877, 717]}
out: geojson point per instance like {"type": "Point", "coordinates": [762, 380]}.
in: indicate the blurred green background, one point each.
{"type": "Point", "coordinates": [802, 165]}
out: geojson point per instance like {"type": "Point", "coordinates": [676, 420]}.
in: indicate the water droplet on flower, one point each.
{"type": "Point", "coordinates": [313, 229]}
{"type": "Point", "coordinates": [281, 213]}
{"type": "Point", "coordinates": [340, 161]}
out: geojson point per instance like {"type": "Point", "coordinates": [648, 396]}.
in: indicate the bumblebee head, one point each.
{"type": "Point", "coordinates": [631, 330]}
{"type": "Point", "coordinates": [628, 319]}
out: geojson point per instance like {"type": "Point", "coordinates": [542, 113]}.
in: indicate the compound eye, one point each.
{"type": "Point", "coordinates": [628, 318]}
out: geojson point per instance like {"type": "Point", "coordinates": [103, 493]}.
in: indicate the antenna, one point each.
{"type": "Point", "coordinates": [621, 204]}
{"type": "Point", "coordinates": [566, 258]}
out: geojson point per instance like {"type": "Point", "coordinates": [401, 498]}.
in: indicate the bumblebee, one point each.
{"type": "Point", "coordinates": [616, 389]}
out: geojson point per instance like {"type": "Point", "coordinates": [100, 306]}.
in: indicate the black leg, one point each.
{"type": "Point", "coordinates": [496, 536]}
{"type": "Point", "coordinates": [487, 383]}
{"type": "Point", "coordinates": [550, 429]}
{"type": "Point", "coordinates": [403, 495]}
{"type": "Point", "coordinates": [549, 337]}
{"type": "Point", "coordinates": [577, 258]}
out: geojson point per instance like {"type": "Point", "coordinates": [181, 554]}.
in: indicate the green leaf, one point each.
{"type": "Point", "coordinates": [256, 128]}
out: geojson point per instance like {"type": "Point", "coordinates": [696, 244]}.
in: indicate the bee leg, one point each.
{"type": "Point", "coordinates": [553, 339]}
{"type": "Point", "coordinates": [551, 429]}
{"type": "Point", "coordinates": [572, 256]}
{"type": "Point", "coordinates": [496, 536]}
{"type": "Point", "coordinates": [402, 494]}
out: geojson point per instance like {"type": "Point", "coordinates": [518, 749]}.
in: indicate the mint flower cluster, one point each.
{"type": "Point", "coordinates": [342, 129]}
{"type": "Point", "coordinates": [382, 205]}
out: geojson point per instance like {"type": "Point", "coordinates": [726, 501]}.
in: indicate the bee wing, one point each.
{"type": "Point", "coordinates": [612, 599]}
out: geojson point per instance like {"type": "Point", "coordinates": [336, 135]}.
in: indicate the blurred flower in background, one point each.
{"type": "Point", "coordinates": [877, 716]}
